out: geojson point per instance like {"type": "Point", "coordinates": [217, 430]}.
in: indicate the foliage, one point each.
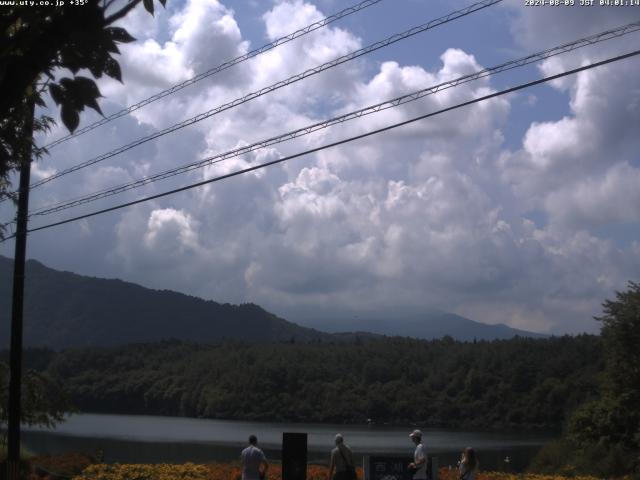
{"type": "Point", "coordinates": [43, 401]}
{"type": "Point", "coordinates": [39, 41]}
{"type": "Point", "coordinates": [500, 384]}
{"type": "Point", "coordinates": [621, 335]}
{"type": "Point", "coordinates": [66, 310]}
{"type": "Point", "coordinates": [445, 474]}
{"type": "Point", "coordinates": [187, 471]}
{"type": "Point", "coordinates": [40, 44]}
{"type": "Point", "coordinates": [231, 471]}
{"type": "Point", "coordinates": [25, 453]}
{"type": "Point", "coordinates": [566, 458]}
{"type": "Point", "coordinates": [58, 466]}
{"type": "Point", "coordinates": [603, 435]}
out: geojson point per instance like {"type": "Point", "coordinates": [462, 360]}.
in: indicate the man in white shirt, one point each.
{"type": "Point", "coordinates": [419, 463]}
{"type": "Point", "coordinates": [252, 459]}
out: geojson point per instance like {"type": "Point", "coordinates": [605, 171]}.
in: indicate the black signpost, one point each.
{"type": "Point", "coordinates": [294, 456]}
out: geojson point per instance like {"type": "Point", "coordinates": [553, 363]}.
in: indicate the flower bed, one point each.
{"type": "Point", "coordinates": [446, 474]}
{"type": "Point", "coordinates": [187, 471]}
{"type": "Point", "coordinates": [232, 471]}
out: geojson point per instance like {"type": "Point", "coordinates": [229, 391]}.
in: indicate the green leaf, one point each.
{"type": "Point", "coordinates": [57, 93]}
{"type": "Point", "coordinates": [163, 2]}
{"type": "Point", "coordinates": [71, 59]}
{"type": "Point", "coordinates": [87, 86]}
{"type": "Point", "coordinates": [96, 67]}
{"type": "Point", "coordinates": [148, 5]}
{"type": "Point", "coordinates": [112, 69]}
{"type": "Point", "coordinates": [92, 103]}
{"type": "Point", "coordinates": [110, 46]}
{"type": "Point", "coordinates": [66, 83]}
{"type": "Point", "coordinates": [38, 101]}
{"type": "Point", "coordinates": [85, 91]}
{"type": "Point", "coordinates": [70, 117]}
{"type": "Point", "coordinates": [118, 34]}
{"type": "Point", "coordinates": [78, 93]}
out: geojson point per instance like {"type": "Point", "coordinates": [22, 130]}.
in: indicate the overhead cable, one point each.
{"type": "Point", "coordinates": [283, 83]}
{"type": "Point", "coordinates": [228, 64]}
{"type": "Point", "coordinates": [532, 58]}
{"type": "Point", "coordinates": [340, 142]}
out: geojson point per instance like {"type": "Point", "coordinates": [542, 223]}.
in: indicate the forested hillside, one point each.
{"type": "Point", "coordinates": [524, 383]}
{"type": "Point", "coordinates": [63, 309]}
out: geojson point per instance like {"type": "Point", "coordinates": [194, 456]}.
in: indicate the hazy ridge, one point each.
{"type": "Point", "coordinates": [64, 309]}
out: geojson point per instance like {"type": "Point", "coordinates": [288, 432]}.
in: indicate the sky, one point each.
{"type": "Point", "coordinates": [523, 209]}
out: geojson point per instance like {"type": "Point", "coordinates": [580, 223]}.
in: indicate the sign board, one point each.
{"type": "Point", "coordinates": [389, 467]}
{"type": "Point", "coordinates": [294, 456]}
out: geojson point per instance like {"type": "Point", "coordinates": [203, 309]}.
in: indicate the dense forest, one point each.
{"type": "Point", "coordinates": [523, 383]}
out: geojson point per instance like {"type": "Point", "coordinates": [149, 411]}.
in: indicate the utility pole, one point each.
{"type": "Point", "coordinates": [15, 356]}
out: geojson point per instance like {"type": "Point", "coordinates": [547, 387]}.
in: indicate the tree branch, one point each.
{"type": "Point", "coordinates": [121, 13]}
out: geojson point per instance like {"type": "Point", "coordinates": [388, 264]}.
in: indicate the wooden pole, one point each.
{"type": "Point", "coordinates": [17, 301]}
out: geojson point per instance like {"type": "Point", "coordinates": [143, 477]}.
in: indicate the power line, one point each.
{"type": "Point", "coordinates": [532, 58]}
{"type": "Point", "coordinates": [228, 64]}
{"type": "Point", "coordinates": [283, 83]}
{"type": "Point", "coordinates": [340, 142]}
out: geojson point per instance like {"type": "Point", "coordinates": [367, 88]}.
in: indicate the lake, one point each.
{"type": "Point", "coordinates": [154, 439]}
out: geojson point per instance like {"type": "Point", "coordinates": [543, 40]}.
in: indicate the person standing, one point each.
{"type": "Point", "coordinates": [252, 459]}
{"type": "Point", "coordinates": [341, 461]}
{"type": "Point", "coordinates": [419, 464]}
{"type": "Point", "coordinates": [468, 464]}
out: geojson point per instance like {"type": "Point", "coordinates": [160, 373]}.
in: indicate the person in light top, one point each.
{"type": "Point", "coordinates": [341, 458]}
{"type": "Point", "coordinates": [252, 459]}
{"type": "Point", "coordinates": [419, 464]}
{"type": "Point", "coordinates": [468, 464]}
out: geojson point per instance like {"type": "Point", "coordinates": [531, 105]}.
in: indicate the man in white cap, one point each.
{"type": "Point", "coordinates": [419, 464]}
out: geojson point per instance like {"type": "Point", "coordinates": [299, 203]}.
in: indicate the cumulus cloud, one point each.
{"type": "Point", "coordinates": [598, 201]}
{"type": "Point", "coordinates": [437, 214]}
{"type": "Point", "coordinates": [597, 136]}
{"type": "Point", "coordinates": [200, 36]}
{"type": "Point", "coordinates": [170, 230]}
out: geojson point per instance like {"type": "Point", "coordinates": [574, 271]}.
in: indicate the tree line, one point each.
{"type": "Point", "coordinates": [517, 383]}
{"type": "Point", "coordinates": [602, 437]}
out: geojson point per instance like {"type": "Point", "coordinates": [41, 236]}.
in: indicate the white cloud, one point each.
{"type": "Point", "coordinates": [286, 17]}
{"type": "Point", "coordinates": [431, 215]}
{"type": "Point", "coordinates": [599, 201]}
{"type": "Point", "coordinates": [207, 33]}
{"type": "Point", "coordinates": [202, 35]}
{"type": "Point", "coordinates": [170, 229]}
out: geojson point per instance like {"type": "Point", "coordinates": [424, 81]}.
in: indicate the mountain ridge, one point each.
{"type": "Point", "coordinates": [429, 325]}
{"type": "Point", "coordinates": [64, 309]}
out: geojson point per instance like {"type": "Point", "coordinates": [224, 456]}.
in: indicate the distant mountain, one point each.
{"type": "Point", "coordinates": [427, 325]}
{"type": "Point", "coordinates": [63, 309]}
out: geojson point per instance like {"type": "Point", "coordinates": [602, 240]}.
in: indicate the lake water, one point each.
{"type": "Point", "coordinates": [152, 439]}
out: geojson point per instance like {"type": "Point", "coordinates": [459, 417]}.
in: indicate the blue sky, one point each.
{"type": "Point", "coordinates": [523, 210]}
